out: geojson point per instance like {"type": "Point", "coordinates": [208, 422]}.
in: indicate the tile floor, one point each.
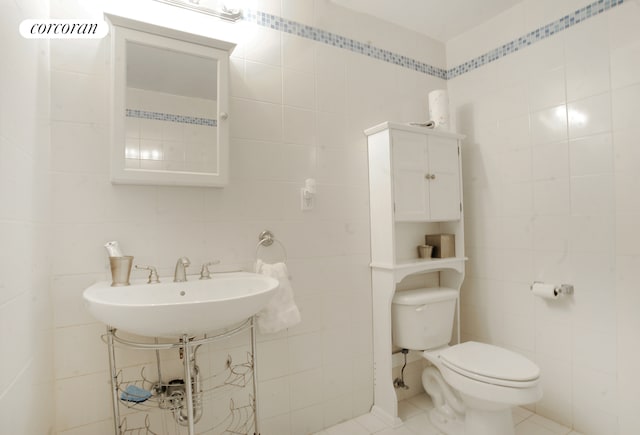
{"type": "Point", "coordinates": [413, 412]}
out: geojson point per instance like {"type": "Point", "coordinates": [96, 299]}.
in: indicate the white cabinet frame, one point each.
{"type": "Point", "coordinates": [438, 208]}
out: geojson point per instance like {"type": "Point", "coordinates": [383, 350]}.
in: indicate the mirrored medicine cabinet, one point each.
{"type": "Point", "coordinates": [170, 99]}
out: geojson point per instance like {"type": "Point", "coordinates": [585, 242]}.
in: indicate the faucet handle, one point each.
{"type": "Point", "coordinates": [204, 272]}
{"type": "Point", "coordinates": [153, 273]}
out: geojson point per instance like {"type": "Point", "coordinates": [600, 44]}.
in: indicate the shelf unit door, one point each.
{"type": "Point", "coordinates": [410, 184]}
{"type": "Point", "coordinates": [444, 189]}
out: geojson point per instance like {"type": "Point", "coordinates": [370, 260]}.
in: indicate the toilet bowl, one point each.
{"type": "Point", "coordinates": [489, 382]}
{"type": "Point", "coordinates": [474, 386]}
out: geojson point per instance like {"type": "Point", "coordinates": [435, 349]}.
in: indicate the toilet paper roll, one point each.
{"type": "Point", "coordinates": [439, 108]}
{"type": "Point", "coordinates": [545, 291]}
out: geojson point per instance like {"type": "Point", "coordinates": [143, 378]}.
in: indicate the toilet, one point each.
{"type": "Point", "coordinates": [474, 386]}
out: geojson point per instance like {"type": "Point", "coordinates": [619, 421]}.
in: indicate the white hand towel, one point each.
{"type": "Point", "coordinates": [281, 311]}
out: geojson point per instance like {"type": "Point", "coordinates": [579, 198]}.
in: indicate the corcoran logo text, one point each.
{"type": "Point", "coordinates": [63, 29]}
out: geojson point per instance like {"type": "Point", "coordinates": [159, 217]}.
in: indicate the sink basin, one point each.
{"type": "Point", "coordinates": [172, 309]}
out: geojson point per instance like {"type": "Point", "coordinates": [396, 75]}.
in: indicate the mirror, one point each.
{"type": "Point", "coordinates": [170, 107]}
{"type": "Point", "coordinates": [170, 124]}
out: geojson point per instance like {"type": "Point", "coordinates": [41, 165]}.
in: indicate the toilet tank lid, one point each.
{"type": "Point", "coordinates": [423, 296]}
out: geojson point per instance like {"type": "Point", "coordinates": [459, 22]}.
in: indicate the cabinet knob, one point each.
{"type": "Point", "coordinates": [224, 115]}
{"type": "Point", "coordinates": [430, 176]}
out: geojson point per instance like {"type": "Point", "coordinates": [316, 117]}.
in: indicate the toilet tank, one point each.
{"type": "Point", "coordinates": [423, 318]}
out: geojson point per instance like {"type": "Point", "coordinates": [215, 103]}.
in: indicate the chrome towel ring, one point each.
{"type": "Point", "coordinates": [266, 238]}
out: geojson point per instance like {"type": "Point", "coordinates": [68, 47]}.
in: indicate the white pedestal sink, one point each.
{"type": "Point", "coordinates": [173, 309]}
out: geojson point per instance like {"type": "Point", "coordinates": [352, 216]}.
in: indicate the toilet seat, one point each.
{"type": "Point", "coordinates": [491, 364]}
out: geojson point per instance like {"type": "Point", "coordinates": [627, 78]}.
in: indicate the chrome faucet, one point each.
{"type": "Point", "coordinates": [204, 272]}
{"type": "Point", "coordinates": [181, 266]}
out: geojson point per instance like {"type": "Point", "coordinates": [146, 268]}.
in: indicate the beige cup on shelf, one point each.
{"type": "Point", "coordinates": [424, 251]}
{"type": "Point", "coordinates": [120, 270]}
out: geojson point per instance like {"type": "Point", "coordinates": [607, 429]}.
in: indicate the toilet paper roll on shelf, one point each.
{"type": "Point", "coordinates": [551, 291]}
{"type": "Point", "coordinates": [439, 109]}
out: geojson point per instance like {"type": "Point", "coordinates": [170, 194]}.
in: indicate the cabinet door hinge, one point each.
{"type": "Point", "coordinates": [460, 207]}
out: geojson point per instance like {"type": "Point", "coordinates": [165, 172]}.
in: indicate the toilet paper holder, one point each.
{"type": "Point", "coordinates": [559, 290]}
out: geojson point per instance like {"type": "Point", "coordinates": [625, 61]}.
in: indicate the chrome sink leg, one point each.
{"type": "Point", "coordinates": [254, 362]}
{"type": "Point", "coordinates": [187, 383]}
{"type": "Point", "coordinates": [114, 380]}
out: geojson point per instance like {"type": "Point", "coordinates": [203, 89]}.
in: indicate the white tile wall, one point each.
{"type": "Point", "coordinates": [26, 374]}
{"type": "Point", "coordinates": [551, 182]}
{"type": "Point", "coordinates": [511, 24]}
{"type": "Point", "coordinates": [563, 209]}
{"type": "Point", "coordinates": [299, 109]}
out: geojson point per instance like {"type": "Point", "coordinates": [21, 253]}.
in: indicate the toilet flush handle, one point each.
{"type": "Point", "coordinates": [421, 307]}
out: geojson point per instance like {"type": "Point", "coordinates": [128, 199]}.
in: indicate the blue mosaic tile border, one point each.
{"type": "Point", "coordinates": [283, 25]}
{"type": "Point", "coordinates": [534, 36]}
{"type": "Point", "coordinates": [304, 31]}
{"type": "Point", "coordinates": [159, 116]}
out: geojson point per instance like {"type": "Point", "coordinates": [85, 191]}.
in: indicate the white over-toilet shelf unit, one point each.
{"type": "Point", "coordinates": [415, 185]}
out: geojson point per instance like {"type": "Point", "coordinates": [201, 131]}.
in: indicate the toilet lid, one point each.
{"type": "Point", "coordinates": [488, 363]}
